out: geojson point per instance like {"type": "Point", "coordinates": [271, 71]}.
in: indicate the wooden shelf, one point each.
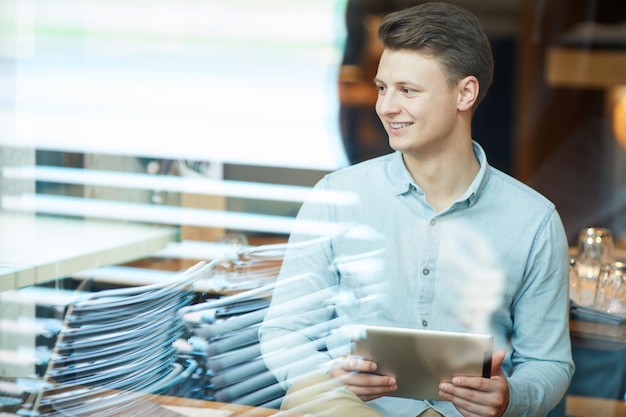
{"type": "Point", "coordinates": [586, 68]}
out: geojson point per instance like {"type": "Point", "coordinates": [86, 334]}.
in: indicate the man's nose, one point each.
{"type": "Point", "coordinates": [387, 103]}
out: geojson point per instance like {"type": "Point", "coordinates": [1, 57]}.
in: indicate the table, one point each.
{"type": "Point", "coordinates": [577, 406]}
{"type": "Point", "coordinates": [606, 334]}
{"type": "Point", "coordinates": [35, 249]}
{"type": "Point", "coordinates": [234, 409]}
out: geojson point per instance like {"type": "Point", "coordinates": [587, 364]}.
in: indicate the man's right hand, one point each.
{"type": "Point", "coordinates": [357, 374]}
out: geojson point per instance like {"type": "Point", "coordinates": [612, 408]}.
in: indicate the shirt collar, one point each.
{"type": "Point", "coordinates": [480, 181]}
{"type": "Point", "coordinates": [399, 175]}
{"type": "Point", "coordinates": [402, 181]}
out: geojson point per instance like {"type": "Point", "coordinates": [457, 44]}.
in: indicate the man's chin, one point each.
{"type": "Point", "coordinates": [398, 145]}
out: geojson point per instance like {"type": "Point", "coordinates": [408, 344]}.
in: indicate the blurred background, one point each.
{"type": "Point", "coordinates": [281, 92]}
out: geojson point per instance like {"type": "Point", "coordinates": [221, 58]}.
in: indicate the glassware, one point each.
{"type": "Point", "coordinates": [595, 249]}
{"type": "Point", "coordinates": [574, 281]}
{"type": "Point", "coordinates": [234, 240]}
{"type": "Point", "coordinates": [232, 265]}
{"type": "Point", "coordinates": [611, 292]}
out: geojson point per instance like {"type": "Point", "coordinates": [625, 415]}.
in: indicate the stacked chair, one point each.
{"type": "Point", "coordinates": [116, 347]}
{"type": "Point", "coordinates": [224, 331]}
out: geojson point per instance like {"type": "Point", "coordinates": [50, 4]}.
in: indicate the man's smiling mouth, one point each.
{"type": "Point", "coordinates": [399, 125]}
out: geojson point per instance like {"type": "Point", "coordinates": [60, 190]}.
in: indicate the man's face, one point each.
{"type": "Point", "coordinates": [415, 104]}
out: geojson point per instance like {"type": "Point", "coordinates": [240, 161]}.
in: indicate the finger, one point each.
{"type": "Point", "coordinates": [354, 363]}
{"type": "Point", "coordinates": [458, 384]}
{"type": "Point", "coordinates": [370, 391]}
{"type": "Point", "coordinates": [482, 384]}
{"type": "Point", "coordinates": [368, 380]}
{"type": "Point", "coordinates": [477, 395]}
{"type": "Point", "coordinates": [496, 363]}
{"type": "Point", "coordinates": [469, 413]}
{"type": "Point", "coordinates": [369, 387]}
{"type": "Point", "coordinates": [464, 401]}
{"type": "Point", "coordinates": [341, 366]}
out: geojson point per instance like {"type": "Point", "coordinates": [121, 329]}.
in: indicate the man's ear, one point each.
{"type": "Point", "coordinates": [468, 92]}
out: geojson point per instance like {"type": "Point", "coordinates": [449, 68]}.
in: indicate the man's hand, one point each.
{"type": "Point", "coordinates": [357, 375]}
{"type": "Point", "coordinates": [477, 396]}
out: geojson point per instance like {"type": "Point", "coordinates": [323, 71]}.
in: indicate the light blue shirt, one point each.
{"type": "Point", "coordinates": [495, 262]}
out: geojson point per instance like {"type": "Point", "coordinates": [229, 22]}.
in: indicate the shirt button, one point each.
{"type": "Point", "coordinates": [432, 222]}
{"type": "Point", "coordinates": [425, 271]}
{"type": "Point", "coordinates": [424, 323]}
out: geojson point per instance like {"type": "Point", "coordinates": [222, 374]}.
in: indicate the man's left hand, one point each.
{"type": "Point", "coordinates": [477, 396]}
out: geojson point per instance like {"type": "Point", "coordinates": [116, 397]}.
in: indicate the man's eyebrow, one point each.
{"type": "Point", "coordinates": [411, 83]}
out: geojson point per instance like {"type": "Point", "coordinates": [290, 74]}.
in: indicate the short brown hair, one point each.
{"type": "Point", "coordinates": [448, 33]}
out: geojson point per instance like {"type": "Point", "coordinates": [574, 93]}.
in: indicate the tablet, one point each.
{"type": "Point", "coordinates": [421, 359]}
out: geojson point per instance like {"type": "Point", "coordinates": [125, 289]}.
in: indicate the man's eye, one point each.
{"type": "Point", "coordinates": [381, 88]}
{"type": "Point", "coordinates": [407, 90]}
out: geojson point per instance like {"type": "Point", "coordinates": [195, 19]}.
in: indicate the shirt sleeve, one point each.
{"type": "Point", "coordinates": [294, 333]}
{"type": "Point", "coordinates": [541, 359]}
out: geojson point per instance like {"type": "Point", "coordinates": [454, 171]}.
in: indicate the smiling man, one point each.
{"type": "Point", "coordinates": [435, 230]}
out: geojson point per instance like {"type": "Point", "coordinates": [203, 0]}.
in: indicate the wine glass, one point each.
{"type": "Point", "coordinates": [611, 293]}
{"type": "Point", "coordinates": [595, 249]}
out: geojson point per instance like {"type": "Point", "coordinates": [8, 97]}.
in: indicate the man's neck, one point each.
{"type": "Point", "coordinates": [446, 176]}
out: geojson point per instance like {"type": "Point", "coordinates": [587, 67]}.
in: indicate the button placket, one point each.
{"type": "Point", "coordinates": [427, 279]}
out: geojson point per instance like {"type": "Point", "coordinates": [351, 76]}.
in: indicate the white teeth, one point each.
{"type": "Point", "coordinates": [399, 125]}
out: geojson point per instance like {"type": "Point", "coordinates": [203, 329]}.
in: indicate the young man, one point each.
{"type": "Point", "coordinates": [428, 237]}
